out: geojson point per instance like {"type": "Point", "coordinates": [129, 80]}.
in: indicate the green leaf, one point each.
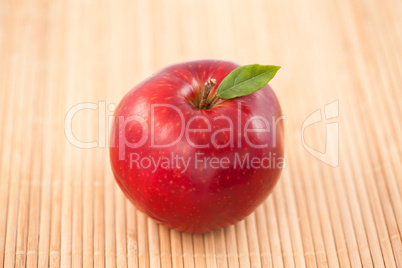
{"type": "Point", "coordinates": [245, 80]}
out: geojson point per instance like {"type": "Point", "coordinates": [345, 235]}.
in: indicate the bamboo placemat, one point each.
{"type": "Point", "coordinates": [59, 205]}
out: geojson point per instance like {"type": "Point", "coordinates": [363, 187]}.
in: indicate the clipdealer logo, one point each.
{"type": "Point", "coordinates": [330, 155]}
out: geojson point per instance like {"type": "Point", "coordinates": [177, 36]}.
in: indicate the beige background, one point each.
{"type": "Point", "coordinates": [59, 205]}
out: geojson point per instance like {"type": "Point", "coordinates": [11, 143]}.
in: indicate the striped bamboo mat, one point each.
{"type": "Point", "coordinates": [59, 205]}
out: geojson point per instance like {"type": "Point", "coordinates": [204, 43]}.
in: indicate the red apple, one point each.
{"type": "Point", "coordinates": [190, 160]}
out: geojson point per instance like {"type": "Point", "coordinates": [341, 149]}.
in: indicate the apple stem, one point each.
{"type": "Point", "coordinates": [212, 101]}
{"type": "Point", "coordinates": [209, 85]}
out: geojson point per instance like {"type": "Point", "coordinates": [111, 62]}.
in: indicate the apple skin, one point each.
{"type": "Point", "coordinates": [199, 199]}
